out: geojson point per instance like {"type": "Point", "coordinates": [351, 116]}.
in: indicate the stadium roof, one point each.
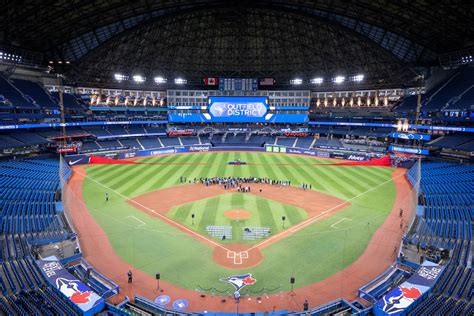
{"type": "Point", "coordinates": [384, 40]}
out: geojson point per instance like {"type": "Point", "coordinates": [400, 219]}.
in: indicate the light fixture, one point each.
{"type": "Point", "coordinates": [160, 80]}
{"type": "Point", "coordinates": [317, 80]}
{"type": "Point", "coordinates": [138, 78]}
{"type": "Point", "coordinates": [180, 81]}
{"type": "Point", "coordinates": [339, 79]}
{"type": "Point", "coordinates": [358, 78]}
{"type": "Point", "coordinates": [120, 77]}
{"type": "Point", "coordinates": [296, 81]}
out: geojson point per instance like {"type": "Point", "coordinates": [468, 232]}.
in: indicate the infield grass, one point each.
{"type": "Point", "coordinates": [264, 213]}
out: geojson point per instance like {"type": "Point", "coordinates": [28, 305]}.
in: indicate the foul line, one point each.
{"type": "Point", "coordinates": [340, 221]}
{"type": "Point", "coordinates": [310, 221]}
{"type": "Point", "coordinates": [193, 233]}
{"type": "Point", "coordinates": [138, 220]}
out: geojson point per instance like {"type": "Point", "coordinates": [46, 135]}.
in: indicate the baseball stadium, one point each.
{"type": "Point", "coordinates": [236, 158]}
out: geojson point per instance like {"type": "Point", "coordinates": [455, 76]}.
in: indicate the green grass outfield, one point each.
{"type": "Point", "coordinates": [312, 254]}
{"type": "Point", "coordinates": [265, 213]}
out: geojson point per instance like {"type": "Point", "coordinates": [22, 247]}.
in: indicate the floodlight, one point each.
{"type": "Point", "coordinates": [120, 77]}
{"type": "Point", "coordinates": [296, 81]}
{"type": "Point", "coordinates": [358, 78]}
{"type": "Point", "coordinates": [317, 80]}
{"type": "Point", "coordinates": [339, 79]}
{"type": "Point", "coordinates": [159, 80]}
{"type": "Point", "coordinates": [138, 78]}
{"type": "Point", "coordinates": [180, 81]}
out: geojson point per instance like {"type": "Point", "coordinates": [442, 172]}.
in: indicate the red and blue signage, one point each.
{"type": "Point", "coordinates": [69, 286]}
{"type": "Point", "coordinates": [398, 300]}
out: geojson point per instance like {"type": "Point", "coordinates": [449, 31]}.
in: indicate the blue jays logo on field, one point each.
{"type": "Point", "coordinates": [397, 300]}
{"type": "Point", "coordinates": [239, 281]}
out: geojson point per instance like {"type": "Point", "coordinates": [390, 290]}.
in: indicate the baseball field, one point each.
{"type": "Point", "coordinates": [147, 217]}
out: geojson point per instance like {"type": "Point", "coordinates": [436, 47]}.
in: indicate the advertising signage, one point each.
{"type": "Point", "coordinates": [410, 136]}
{"type": "Point", "coordinates": [409, 150]}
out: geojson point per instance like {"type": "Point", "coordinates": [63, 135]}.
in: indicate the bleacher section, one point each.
{"type": "Point", "coordinates": [109, 144]}
{"type": "Point", "coordinates": [29, 138]}
{"type": "Point", "coordinates": [170, 141]}
{"type": "Point", "coordinates": [456, 93]}
{"type": "Point", "coordinates": [325, 143]}
{"type": "Point", "coordinates": [189, 140]}
{"type": "Point", "coordinates": [69, 101]}
{"type": "Point", "coordinates": [131, 143]}
{"type": "Point", "coordinates": [150, 142]}
{"type": "Point", "coordinates": [9, 142]}
{"type": "Point", "coordinates": [286, 141]}
{"type": "Point", "coordinates": [28, 214]}
{"type": "Point", "coordinates": [27, 201]}
{"type": "Point", "coordinates": [448, 94]}
{"type": "Point", "coordinates": [456, 141]}
{"type": "Point", "coordinates": [304, 142]}
{"type": "Point", "coordinates": [446, 194]}
{"type": "Point", "coordinates": [36, 92]}
{"type": "Point", "coordinates": [14, 96]}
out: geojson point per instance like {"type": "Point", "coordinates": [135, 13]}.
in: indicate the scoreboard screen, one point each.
{"type": "Point", "coordinates": [237, 109]}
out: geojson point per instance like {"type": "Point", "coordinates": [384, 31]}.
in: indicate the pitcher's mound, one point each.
{"type": "Point", "coordinates": [237, 214]}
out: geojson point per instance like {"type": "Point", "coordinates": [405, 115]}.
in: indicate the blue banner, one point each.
{"type": "Point", "coordinates": [409, 150]}
{"type": "Point", "coordinates": [410, 136]}
{"type": "Point", "coordinates": [194, 148]}
{"type": "Point", "coordinates": [424, 127]}
{"type": "Point", "coordinates": [400, 298]}
{"type": "Point", "coordinates": [143, 153]}
{"type": "Point", "coordinates": [69, 286]}
{"type": "Point", "coordinates": [207, 118]}
{"type": "Point", "coordinates": [50, 125]}
{"type": "Point", "coordinates": [195, 117]}
{"type": "Point", "coordinates": [296, 150]}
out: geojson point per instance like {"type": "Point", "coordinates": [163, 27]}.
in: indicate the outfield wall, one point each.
{"type": "Point", "coordinates": [85, 158]}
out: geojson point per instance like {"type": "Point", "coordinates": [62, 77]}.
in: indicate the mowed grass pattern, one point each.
{"type": "Point", "coordinates": [311, 254]}
{"type": "Point", "coordinates": [211, 212]}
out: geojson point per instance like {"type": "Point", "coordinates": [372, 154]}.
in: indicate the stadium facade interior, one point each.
{"type": "Point", "coordinates": [99, 81]}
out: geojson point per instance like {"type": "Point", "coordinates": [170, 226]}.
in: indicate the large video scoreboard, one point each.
{"type": "Point", "coordinates": [241, 109]}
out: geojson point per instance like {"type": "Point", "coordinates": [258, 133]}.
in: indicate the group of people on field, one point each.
{"type": "Point", "coordinates": [234, 182]}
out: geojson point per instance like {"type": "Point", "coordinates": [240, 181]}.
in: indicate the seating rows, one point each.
{"type": "Point", "coordinates": [36, 92]}
{"type": "Point", "coordinates": [27, 211]}
{"type": "Point", "coordinates": [27, 201]}
{"type": "Point", "coordinates": [322, 142]}
{"type": "Point", "coordinates": [457, 141]}
{"type": "Point", "coordinates": [446, 194]}
{"type": "Point", "coordinates": [14, 96]}
{"type": "Point", "coordinates": [286, 141]}
{"type": "Point", "coordinates": [449, 92]}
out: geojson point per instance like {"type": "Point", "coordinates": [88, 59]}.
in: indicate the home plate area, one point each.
{"type": "Point", "coordinates": [237, 256]}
